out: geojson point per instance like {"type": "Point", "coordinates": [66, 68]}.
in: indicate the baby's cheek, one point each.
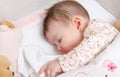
{"type": "Point", "coordinates": [70, 47]}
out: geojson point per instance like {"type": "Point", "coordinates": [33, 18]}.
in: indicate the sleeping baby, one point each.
{"type": "Point", "coordinates": [68, 27]}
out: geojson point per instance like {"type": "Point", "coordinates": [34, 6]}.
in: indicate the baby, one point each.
{"type": "Point", "coordinates": [68, 27]}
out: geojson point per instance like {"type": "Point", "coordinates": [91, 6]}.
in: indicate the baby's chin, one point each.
{"type": "Point", "coordinates": [66, 50]}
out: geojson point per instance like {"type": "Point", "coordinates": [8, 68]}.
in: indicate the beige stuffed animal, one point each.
{"type": "Point", "coordinates": [117, 24]}
{"type": "Point", "coordinates": [5, 67]}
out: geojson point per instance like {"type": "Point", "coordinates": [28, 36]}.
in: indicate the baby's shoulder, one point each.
{"type": "Point", "coordinates": [96, 24]}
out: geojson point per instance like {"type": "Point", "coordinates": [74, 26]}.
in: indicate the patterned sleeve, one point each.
{"type": "Point", "coordinates": [97, 37]}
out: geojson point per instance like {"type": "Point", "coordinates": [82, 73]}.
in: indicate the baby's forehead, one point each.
{"type": "Point", "coordinates": [50, 35]}
{"type": "Point", "coordinates": [54, 26]}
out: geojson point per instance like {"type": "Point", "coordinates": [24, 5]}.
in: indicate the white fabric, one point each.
{"type": "Point", "coordinates": [31, 59]}
{"type": "Point", "coordinates": [96, 11]}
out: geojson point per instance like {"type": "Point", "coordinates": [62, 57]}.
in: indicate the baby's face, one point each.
{"type": "Point", "coordinates": [63, 37]}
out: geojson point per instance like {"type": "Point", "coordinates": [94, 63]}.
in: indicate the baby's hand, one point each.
{"type": "Point", "coordinates": [51, 69]}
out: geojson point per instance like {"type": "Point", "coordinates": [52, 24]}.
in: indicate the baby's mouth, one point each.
{"type": "Point", "coordinates": [63, 51]}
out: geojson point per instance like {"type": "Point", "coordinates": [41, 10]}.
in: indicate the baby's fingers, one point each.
{"type": "Point", "coordinates": [42, 69]}
{"type": "Point", "coordinates": [53, 74]}
{"type": "Point", "coordinates": [49, 73]}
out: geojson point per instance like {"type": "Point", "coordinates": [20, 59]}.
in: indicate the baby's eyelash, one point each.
{"type": "Point", "coordinates": [59, 40]}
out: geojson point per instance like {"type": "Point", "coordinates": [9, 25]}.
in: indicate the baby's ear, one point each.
{"type": "Point", "coordinates": [77, 22]}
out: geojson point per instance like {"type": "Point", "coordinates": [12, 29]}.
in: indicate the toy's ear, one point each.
{"type": "Point", "coordinates": [8, 23]}
{"type": "Point", "coordinates": [117, 24]}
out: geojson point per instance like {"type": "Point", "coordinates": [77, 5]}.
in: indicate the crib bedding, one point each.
{"type": "Point", "coordinates": [100, 67]}
{"type": "Point", "coordinates": [107, 64]}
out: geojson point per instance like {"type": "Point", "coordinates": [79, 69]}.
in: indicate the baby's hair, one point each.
{"type": "Point", "coordinates": [64, 11]}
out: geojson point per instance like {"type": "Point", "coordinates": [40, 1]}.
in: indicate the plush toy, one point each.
{"type": "Point", "coordinates": [10, 42]}
{"type": "Point", "coordinates": [117, 24]}
{"type": "Point", "coordinates": [5, 67]}
{"type": "Point", "coordinates": [6, 25]}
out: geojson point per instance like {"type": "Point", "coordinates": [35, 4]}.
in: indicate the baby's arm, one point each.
{"type": "Point", "coordinates": [97, 37]}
